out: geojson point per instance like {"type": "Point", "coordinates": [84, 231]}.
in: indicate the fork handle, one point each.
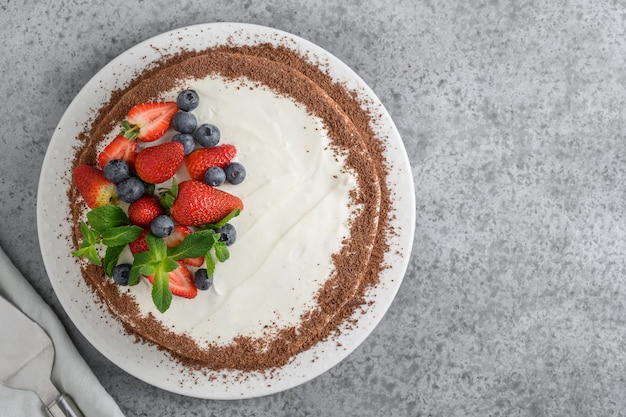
{"type": "Point", "coordinates": [63, 406]}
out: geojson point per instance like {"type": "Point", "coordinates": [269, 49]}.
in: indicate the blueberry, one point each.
{"type": "Point", "coordinates": [235, 173]}
{"type": "Point", "coordinates": [215, 176]}
{"type": "Point", "coordinates": [116, 170]}
{"type": "Point", "coordinates": [228, 234]}
{"type": "Point", "coordinates": [184, 122]}
{"type": "Point", "coordinates": [207, 135]}
{"type": "Point", "coordinates": [130, 189]}
{"type": "Point", "coordinates": [187, 140]}
{"type": "Point", "coordinates": [187, 100]}
{"type": "Point", "coordinates": [202, 281]}
{"type": "Point", "coordinates": [121, 273]}
{"type": "Point", "coordinates": [162, 226]}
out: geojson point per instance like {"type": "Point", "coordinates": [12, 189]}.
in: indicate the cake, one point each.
{"type": "Point", "coordinates": [312, 226]}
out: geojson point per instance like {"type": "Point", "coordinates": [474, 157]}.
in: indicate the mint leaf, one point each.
{"type": "Point", "coordinates": [87, 247]}
{"type": "Point", "coordinates": [157, 247]}
{"type": "Point", "coordinates": [120, 235]}
{"type": "Point", "coordinates": [89, 236]}
{"type": "Point", "coordinates": [133, 278]}
{"type": "Point", "coordinates": [107, 217]}
{"type": "Point", "coordinates": [194, 245]}
{"type": "Point", "coordinates": [111, 257]}
{"type": "Point", "coordinates": [161, 293]}
{"type": "Point", "coordinates": [90, 253]}
{"type": "Point", "coordinates": [148, 269]}
{"type": "Point", "coordinates": [142, 260]}
{"type": "Point", "coordinates": [168, 265]}
{"type": "Point", "coordinates": [221, 251]}
{"type": "Point", "coordinates": [210, 264]}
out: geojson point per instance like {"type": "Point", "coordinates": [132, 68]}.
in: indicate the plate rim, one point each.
{"type": "Point", "coordinates": [177, 383]}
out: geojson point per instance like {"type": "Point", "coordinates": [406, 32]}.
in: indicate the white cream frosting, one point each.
{"type": "Point", "coordinates": [296, 197]}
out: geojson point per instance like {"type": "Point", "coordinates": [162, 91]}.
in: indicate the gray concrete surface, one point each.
{"type": "Point", "coordinates": [512, 113]}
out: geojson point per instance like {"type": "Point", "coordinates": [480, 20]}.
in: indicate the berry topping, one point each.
{"type": "Point", "coordinates": [116, 170]}
{"type": "Point", "coordinates": [180, 281]}
{"type": "Point", "coordinates": [228, 234]}
{"type": "Point", "coordinates": [159, 163]}
{"type": "Point", "coordinates": [148, 121]}
{"type": "Point", "coordinates": [162, 226]}
{"type": "Point", "coordinates": [93, 186]}
{"type": "Point", "coordinates": [198, 203]}
{"type": "Point", "coordinates": [235, 173]}
{"type": "Point", "coordinates": [202, 280]}
{"type": "Point", "coordinates": [121, 273]}
{"type": "Point", "coordinates": [120, 148]}
{"type": "Point", "coordinates": [131, 189]}
{"type": "Point", "coordinates": [207, 135]}
{"type": "Point", "coordinates": [200, 160]}
{"type": "Point", "coordinates": [215, 176]}
{"type": "Point", "coordinates": [184, 122]}
{"type": "Point", "coordinates": [144, 210]}
{"type": "Point", "coordinates": [187, 100]}
{"type": "Point", "coordinates": [186, 140]}
{"type": "Point", "coordinates": [154, 223]}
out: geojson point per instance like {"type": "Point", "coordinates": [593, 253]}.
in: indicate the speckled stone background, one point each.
{"type": "Point", "coordinates": [512, 113]}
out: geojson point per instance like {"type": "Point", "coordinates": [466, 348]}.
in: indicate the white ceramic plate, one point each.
{"type": "Point", "coordinates": [101, 329]}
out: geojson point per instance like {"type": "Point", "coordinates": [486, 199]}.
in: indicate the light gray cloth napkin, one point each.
{"type": "Point", "coordinates": [70, 373]}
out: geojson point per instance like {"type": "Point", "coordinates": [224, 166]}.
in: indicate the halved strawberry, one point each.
{"type": "Point", "coordinates": [120, 148]}
{"type": "Point", "coordinates": [93, 186]}
{"type": "Point", "coordinates": [149, 121]}
{"type": "Point", "coordinates": [159, 163]}
{"type": "Point", "coordinates": [198, 203]}
{"type": "Point", "coordinates": [180, 281]}
{"type": "Point", "coordinates": [139, 244]}
{"type": "Point", "coordinates": [141, 212]}
{"type": "Point", "coordinates": [176, 238]}
{"type": "Point", "coordinates": [198, 161]}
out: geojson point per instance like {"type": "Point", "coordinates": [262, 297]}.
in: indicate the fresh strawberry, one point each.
{"type": "Point", "coordinates": [159, 163]}
{"type": "Point", "coordinates": [149, 121]}
{"type": "Point", "coordinates": [194, 261]}
{"type": "Point", "coordinates": [198, 203]}
{"type": "Point", "coordinates": [180, 281]}
{"type": "Point", "coordinates": [141, 212]}
{"type": "Point", "coordinates": [139, 244]}
{"type": "Point", "coordinates": [198, 161]}
{"type": "Point", "coordinates": [176, 238]}
{"type": "Point", "coordinates": [120, 148]}
{"type": "Point", "coordinates": [93, 186]}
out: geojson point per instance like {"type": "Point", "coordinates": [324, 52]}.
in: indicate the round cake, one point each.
{"type": "Point", "coordinates": [312, 213]}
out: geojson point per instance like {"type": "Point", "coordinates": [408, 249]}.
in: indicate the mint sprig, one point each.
{"type": "Point", "coordinates": [159, 260]}
{"type": "Point", "coordinates": [108, 226]}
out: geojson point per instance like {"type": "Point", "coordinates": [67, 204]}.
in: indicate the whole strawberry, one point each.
{"type": "Point", "coordinates": [159, 163]}
{"type": "Point", "coordinates": [93, 186]}
{"type": "Point", "coordinates": [139, 244]}
{"type": "Point", "coordinates": [144, 210]}
{"type": "Point", "coordinates": [198, 203]}
{"type": "Point", "coordinates": [198, 161]}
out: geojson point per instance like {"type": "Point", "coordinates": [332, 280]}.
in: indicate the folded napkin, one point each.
{"type": "Point", "coordinates": [70, 373]}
